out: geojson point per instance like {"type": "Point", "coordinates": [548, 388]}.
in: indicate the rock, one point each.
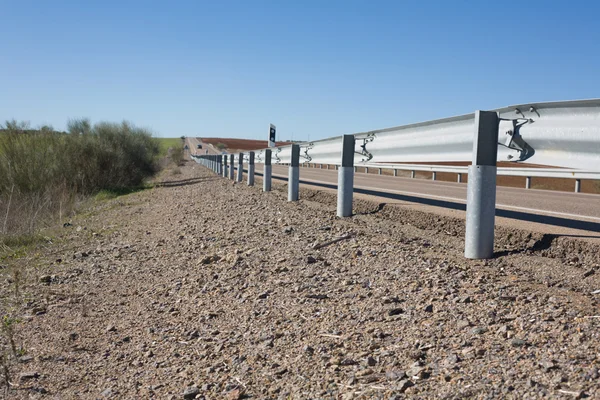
{"type": "Point", "coordinates": [210, 259]}
{"type": "Point", "coordinates": [111, 328]}
{"type": "Point", "coordinates": [25, 359]}
{"type": "Point", "coordinates": [46, 279]}
{"type": "Point", "coordinates": [395, 375]}
{"type": "Point", "coordinates": [311, 260]}
{"type": "Point", "coordinates": [107, 392]}
{"type": "Point", "coordinates": [25, 376]}
{"type": "Point", "coordinates": [428, 308]}
{"type": "Point", "coordinates": [547, 365]}
{"type": "Point", "coordinates": [263, 295]}
{"type": "Point", "coordinates": [479, 330]}
{"type": "Point", "coordinates": [191, 392]}
{"type": "Point", "coordinates": [308, 349]}
{"type": "Point", "coordinates": [371, 362]}
{"type": "Point", "coordinates": [516, 342]}
{"type": "Point", "coordinates": [589, 272]}
{"type": "Point", "coordinates": [403, 385]}
{"type": "Point", "coordinates": [395, 311]}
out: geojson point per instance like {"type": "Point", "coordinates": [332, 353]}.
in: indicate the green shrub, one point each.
{"type": "Point", "coordinates": [43, 171]}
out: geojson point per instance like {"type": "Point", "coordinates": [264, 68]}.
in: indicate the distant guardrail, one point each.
{"type": "Point", "coordinates": [557, 134]}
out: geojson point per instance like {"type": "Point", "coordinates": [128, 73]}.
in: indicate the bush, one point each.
{"type": "Point", "coordinates": [43, 171]}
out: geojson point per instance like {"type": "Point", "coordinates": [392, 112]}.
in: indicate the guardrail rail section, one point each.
{"type": "Point", "coordinates": [561, 137]}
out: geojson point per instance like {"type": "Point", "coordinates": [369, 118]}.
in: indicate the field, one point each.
{"type": "Point", "coordinates": [236, 145]}
{"type": "Point", "coordinates": [166, 143]}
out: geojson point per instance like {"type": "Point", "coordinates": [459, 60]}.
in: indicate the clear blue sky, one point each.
{"type": "Point", "coordinates": [313, 68]}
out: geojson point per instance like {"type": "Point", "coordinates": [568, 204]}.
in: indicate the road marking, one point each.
{"type": "Point", "coordinates": [432, 196]}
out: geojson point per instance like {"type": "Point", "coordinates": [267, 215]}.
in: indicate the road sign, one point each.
{"type": "Point", "coordinates": [272, 130]}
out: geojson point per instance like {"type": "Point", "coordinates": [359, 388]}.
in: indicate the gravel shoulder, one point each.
{"type": "Point", "coordinates": [201, 288]}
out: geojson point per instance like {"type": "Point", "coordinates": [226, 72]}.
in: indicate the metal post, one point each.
{"type": "Point", "coordinates": [251, 169]}
{"type": "Point", "coordinates": [459, 178]}
{"type": "Point", "coordinates": [219, 164]}
{"type": "Point", "coordinates": [577, 185]}
{"type": "Point", "coordinates": [294, 174]}
{"type": "Point", "coordinates": [366, 170]}
{"type": "Point", "coordinates": [240, 170]}
{"type": "Point", "coordinates": [433, 175]}
{"type": "Point", "coordinates": [320, 166]}
{"type": "Point", "coordinates": [267, 171]}
{"type": "Point", "coordinates": [528, 182]}
{"type": "Point", "coordinates": [231, 167]}
{"type": "Point", "coordinates": [395, 172]}
{"type": "Point", "coordinates": [225, 169]}
{"type": "Point", "coordinates": [412, 174]}
{"type": "Point", "coordinates": [481, 188]}
{"type": "Point", "coordinates": [346, 178]}
{"type": "Point", "coordinates": [380, 171]}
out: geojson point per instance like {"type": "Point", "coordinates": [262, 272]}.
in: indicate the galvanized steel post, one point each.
{"type": "Point", "coordinates": [219, 164]}
{"type": "Point", "coordinates": [528, 182]}
{"type": "Point", "coordinates": [231, 167]}
{"type": "Point", "coordinates": [577, 185]}
{"type": "Point", "coordinates": [240, 170]}
{"type": "Point", "coordinates": [481, 188]}
{"type": "Point", "coordinates": [267, 171]}
{"type": "Point", "coordinates": [294, 174]}
{"type": "Point", "coordinates": [225, 168]}
{"type": "Point", "coordinates": [251, 168]}
{"type": "Point", "coordinates": [346, 178]}
{"type": "Point", "coordinates": [459, 178]}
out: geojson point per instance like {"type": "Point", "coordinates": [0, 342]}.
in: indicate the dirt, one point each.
{"type": "Point", "coordinates": [202, 288]}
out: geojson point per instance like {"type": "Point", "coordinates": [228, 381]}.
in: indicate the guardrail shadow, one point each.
{"type": "Point", "coordinates": [518, 215]}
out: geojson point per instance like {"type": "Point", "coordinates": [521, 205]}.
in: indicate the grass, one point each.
{"type": "Point", "coordinates": [108, 194]}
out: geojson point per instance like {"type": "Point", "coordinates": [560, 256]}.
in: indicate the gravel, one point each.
{"type": "Point", "coordinates": [205, 288]}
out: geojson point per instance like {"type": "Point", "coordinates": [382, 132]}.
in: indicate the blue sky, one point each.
{"type": "Point", "coordinates": [314, 68]}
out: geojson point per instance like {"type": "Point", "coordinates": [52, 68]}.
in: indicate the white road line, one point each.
{"type": "Point", "coordinates": [431, 196]}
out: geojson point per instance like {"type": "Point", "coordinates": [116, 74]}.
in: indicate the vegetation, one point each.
{"type": "Point", "coordinates": [43, 172]}
{"type": "Point", "coordinates": [221, 146]}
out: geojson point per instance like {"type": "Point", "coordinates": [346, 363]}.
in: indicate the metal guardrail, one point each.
{"type": "Point", "coordinates": [559, 134]}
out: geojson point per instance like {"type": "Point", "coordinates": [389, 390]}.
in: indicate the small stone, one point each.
{"type": "Point", "coordinates": [428, 308]}
{"type": "Point", "coordinates": [395, 311]}
{"type": "Point", "coordinates": [45, 279]}
{"type": "Point", "coordinates": [371, 362]}
{"type": "Point", "coordinates": [395, 375]}
{"type": "Point", "coordinates": [479, 330]}
{"type": "Point", "coordinates": [589, 272]}
{"type": "Point", "coordinates": [25, 359]}
{"type": "Point", "coordinates": [191, 392]}
{"type": "Point", "coordinates": [311, 260]}
{"type": "Point", "coordinates": [403, 385]}
{"type": "Point", "coordinates": [29, 375]}
{"type": "Point", "coordinates": [263, 295]}
{"type": "Point", "coordinates": [547, 365]}
{"type": "Point", "coordinates": [111, 328]}
{"type": "Point", "coordinates": [308, 349]}
{"type": "Point", "coordinates": [516, 342]}
{"type": "Point", "coordinates": [107, 392]}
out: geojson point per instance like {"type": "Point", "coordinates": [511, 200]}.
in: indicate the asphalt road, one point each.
{"type": "Point", "coordinates": [561, 213]}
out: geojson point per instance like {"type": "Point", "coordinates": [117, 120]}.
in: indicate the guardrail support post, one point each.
{"type": "Point", "coordinates": [577, 185]}
{"type": "Point", "coordinates": [231, 167]}
{"type": "Point", "coordinates": [219, 165]}
{"type": "Point", "coordinates": [459, 178]}
{"type": "Point", "coordinates": [395, 172]}
{"type": "Point", "coordinates": [320, 166]}
{"type": "Point", "coordinates": [433, 176]}
{"type": "Point", "coordinates": [481, 188]}
{"type": "Point", "coordinates": [528, 182]}
{"type": "Point", "coordinates": [346, 178]}
{"type": "Point", "coordinates": [240, 171]}
{"type": "Point", "coordinates": [225, 169]}
{"type": "Point", "coordinates": [251, 169]}
{"type": "Point", "coordinates": [412, 174]}
{"type": "Point", "coordinates": [380, 171]}
{"type": "Point", "coordinates": [294, 174]}
{"type": "Point", "coordinates": [267, 168]}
